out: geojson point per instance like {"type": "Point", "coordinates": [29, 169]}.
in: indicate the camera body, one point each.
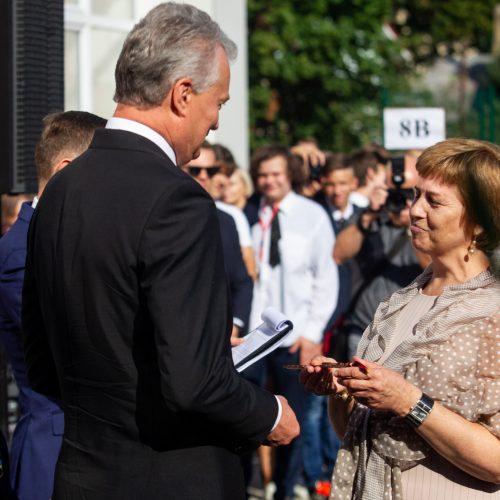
{"type": "Point", "coordinates": [315, 172]}
{"type": "Point", "coordinates": [397, 196]}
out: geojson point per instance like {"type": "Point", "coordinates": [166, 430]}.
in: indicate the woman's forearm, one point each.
{"type": "Point", "coordinates": [339, 412]}
{"type": "Point", "coordinates": [467, 445]}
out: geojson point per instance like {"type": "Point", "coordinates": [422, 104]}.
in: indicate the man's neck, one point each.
{"type": "Point", "coordinates": [154, 118]}
{"type": "Point", "coordinates": [142, 123]}
{"type": "Point", "coordinates": [341, 209]}
{"type": "Point", "coordinates": [275, 203]}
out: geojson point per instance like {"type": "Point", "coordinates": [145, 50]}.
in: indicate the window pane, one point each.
{"type": "Point", "coordinates": [106, 47]}
{"type": "Point", "coordinates": [119, 9]}
{"type": "Point", "coordinates": [71, 90]}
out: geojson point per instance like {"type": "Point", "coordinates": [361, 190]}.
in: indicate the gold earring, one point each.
{"type": "Point", "coordinates": [472, 247]}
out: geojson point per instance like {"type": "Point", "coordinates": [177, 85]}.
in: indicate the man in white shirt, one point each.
{"type": "Point", "coordinates": [293, 241]}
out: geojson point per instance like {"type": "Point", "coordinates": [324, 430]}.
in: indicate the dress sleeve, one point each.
{"type": "Point", "coordinates": [488, 374]}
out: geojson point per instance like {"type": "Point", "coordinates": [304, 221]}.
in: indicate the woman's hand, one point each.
{"type": "Point", "coordinates": [378, 388]}
{"type": "Point", "coordinates": [320, 380]}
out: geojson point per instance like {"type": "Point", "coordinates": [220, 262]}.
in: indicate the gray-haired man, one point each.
{"type": "Point", "coordinates": [125, 274]}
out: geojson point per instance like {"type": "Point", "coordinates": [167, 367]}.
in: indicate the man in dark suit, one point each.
{"type": "Point", "coordinates": [126, 313]}
{"type": "Point", "coordinates": [38, 434]}
{"type": "Point", "coordinates": [203, 170]}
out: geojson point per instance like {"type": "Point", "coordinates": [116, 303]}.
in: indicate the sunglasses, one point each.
{"type": "Point", "coordinates": [196, 171]}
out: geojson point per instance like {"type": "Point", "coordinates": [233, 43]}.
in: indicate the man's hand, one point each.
{"type": "Point", "coordinates": [378, 196]}
{"type": "Point", "coordinates": [288, 427]}
{"type": "Point", "coordinates": [307, 348]}
{"type": "Point", "coordinates": [310, 153]}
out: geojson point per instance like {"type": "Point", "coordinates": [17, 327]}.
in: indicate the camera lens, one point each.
{"type": "Point", "coordinates": [396, 199]}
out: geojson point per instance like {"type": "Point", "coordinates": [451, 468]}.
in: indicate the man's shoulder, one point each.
{"type": "Point", "coordinates": [15, 240]}
{"type": "Point", "coordinates": [308, 209]}
{"type": "Point", "coordinates": [115, 139]}
{"type": "Point", "coordinates": [233, 211]}
{"type": "Point", "coordinates": [225, 220]}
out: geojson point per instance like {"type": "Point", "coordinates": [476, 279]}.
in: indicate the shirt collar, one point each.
{"type": "Point", "coordinates": [284, 205]}
{"type": "Point", "coordinates": [338, 214]}
{"type": "Point", "coordinates": [143, 130]}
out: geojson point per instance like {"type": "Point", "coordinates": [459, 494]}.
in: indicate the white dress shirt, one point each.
{"type": "Point", "coordinates": [304, 286]}
{"type": "Point", "coordinates": [143, 130]}
{"type": "Point", "coordinates": [337, 214]}
{"type": "Point", "coordinates": [358, 199]}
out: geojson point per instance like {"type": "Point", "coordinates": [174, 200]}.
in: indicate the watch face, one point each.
{"type": "Point", "coordinates": [420, 411]}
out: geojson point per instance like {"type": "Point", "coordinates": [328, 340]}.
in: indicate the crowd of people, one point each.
{"type": "Point", "coordinates": [148, 252]}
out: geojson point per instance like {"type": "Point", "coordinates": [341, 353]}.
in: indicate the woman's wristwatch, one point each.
{"type": "Point", "coordinates": [420, 411]}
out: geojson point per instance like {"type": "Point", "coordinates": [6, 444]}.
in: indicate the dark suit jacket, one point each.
{"type": "Point", "coordinates": [240, 283]}
{"type": "Point", "coordinates": [125, 273]}
{"type": "Point", "coordinates": [38, 434]}
{"type": "Point", "coordinates": [5, 489]}
{"type": "Point", "coordinates": [251, 209]}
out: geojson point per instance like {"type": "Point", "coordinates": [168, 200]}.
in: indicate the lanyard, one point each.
{"type": "Point", "coordinates": [264, 227]}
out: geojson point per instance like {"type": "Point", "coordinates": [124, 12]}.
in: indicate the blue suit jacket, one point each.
{"type": "Point", "coordinates": [5, 490]}
{"type": "Point", "coordinates": [38, 434]}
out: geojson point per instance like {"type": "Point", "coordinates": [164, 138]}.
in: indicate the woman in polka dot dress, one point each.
{"type": "Point", "coordinates": [419, 406]}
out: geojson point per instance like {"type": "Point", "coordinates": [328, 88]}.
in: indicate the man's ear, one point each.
{"type": "Point", "coordinates": [61, 164]}
{"type": "Point", "coordinates": [181, 95]}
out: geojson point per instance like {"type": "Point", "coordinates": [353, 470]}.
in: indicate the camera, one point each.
{"type": "Point", "coordinates": [315, 172]}
{"type": "Point", "coordinates": [397, 196]}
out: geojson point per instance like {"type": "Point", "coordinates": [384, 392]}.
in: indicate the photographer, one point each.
{"type": "Point", "coordinates": [381, 251]}
{"type": "Point", "coordinates": [313, 161]}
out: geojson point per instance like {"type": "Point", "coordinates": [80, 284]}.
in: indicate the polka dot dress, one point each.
{"type": "Point", "coordinates": [453, 356]}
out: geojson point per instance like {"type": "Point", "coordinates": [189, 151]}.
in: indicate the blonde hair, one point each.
{"type": "Point", "coordinates": [246, 179]}
{"type": "Point", "coordinates": [472, 166]}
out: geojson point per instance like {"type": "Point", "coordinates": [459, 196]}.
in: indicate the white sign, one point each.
{"type": "Point", "coordinates": [413, 128]}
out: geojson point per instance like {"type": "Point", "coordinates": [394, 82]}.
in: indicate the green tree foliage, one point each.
{"type": "Point", "coordinates": [317, 67]}
{"type": "Point", "coordinates": [448, 27]}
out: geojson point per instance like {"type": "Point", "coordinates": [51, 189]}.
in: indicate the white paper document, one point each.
{"type": "Point", "coordinates": [263, 340]}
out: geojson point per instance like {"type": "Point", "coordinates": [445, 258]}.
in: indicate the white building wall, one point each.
{"type": "Point", "coordinates": [90, 80]}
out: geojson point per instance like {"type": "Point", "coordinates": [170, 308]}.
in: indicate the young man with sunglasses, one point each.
{"type": "Point", "coordinates": [203, 170]}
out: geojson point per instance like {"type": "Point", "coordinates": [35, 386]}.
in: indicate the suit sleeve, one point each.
{"type": "Point", "coordinates": [11, 284]}
{"type": "Point", "coordinates": [182, 277]}
{"type": "Point", "coordinates": [40, 366]}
